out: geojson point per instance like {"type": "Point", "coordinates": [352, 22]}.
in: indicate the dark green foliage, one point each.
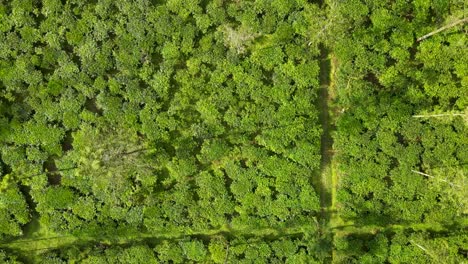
{"type": "Point", "coordinates": [403, 247]}
{"type": "Point", "coordinates": [141, 117]}
{"type": "Point", "coordinates": [399, 170]}
{"type": "Point", "coordinates": [186, 250]}
{"type": "Point", "coordinates": [13, 210]}
{"type": "Point", "coordinates": [9, 258]}
{"type": "Point", "coordinates": [187, 131]}
{"type": "Point", "coordinates": [384, 79]}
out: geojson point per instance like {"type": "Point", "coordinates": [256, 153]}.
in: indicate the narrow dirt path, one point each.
{"type": "Point", "coordinates": [326, 139]}
{"type": "Point", "coordinates": [30, 247]}
{"type": "Point", "coordinates": [328, 179]}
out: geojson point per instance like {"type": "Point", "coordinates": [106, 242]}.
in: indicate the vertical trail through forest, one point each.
{"type": "Point", "coordinates": [326, 142]}
{"type": "Point", "coordinates": [325, 182]}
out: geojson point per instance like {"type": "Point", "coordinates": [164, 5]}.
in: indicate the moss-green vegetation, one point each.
{"type": "Point", "coordinates": [267, 131]}
{"type": "Point", "coordinates": [397, 170]}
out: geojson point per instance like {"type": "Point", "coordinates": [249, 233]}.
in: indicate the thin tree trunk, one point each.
{"type": "Point", "coordinates": [442, 29]}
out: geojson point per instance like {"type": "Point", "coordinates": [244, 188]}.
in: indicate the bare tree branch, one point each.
{"type": "Point", "coordinates": [428, 252]}
{"type": "Point", "coordinates": [427, 175]}
{"type": "Point", "coordinates": [461, 21]}
{"type": "Point", "coordinates": [419, 246]}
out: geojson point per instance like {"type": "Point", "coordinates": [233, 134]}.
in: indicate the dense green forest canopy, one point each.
{"type": "Point", "coordinates": [402, 134]}
{"type": "Point", "coordinates": [385, 151]}
{"type": "Point", "coordinates": [194, 131]}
